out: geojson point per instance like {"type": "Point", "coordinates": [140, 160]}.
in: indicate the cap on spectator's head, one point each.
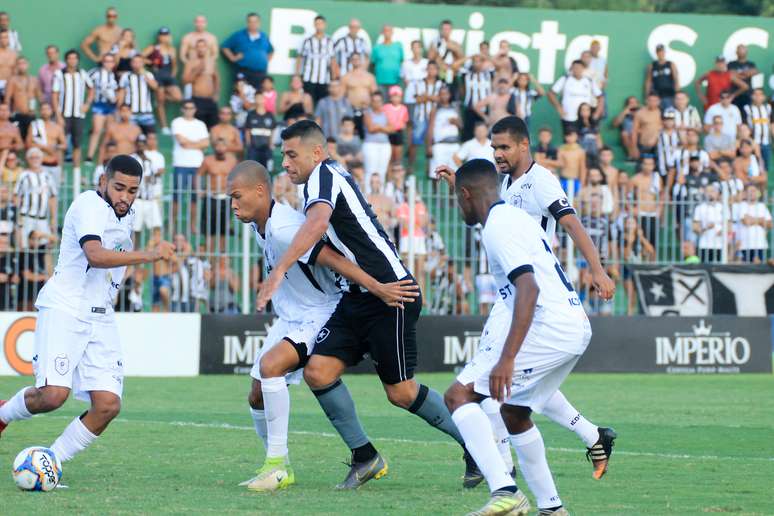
{"type": "Point", "coordinates": [720, 58]}
{"type": "Point", "coordinates": [395, 90]}
{"type": "Point", "coordinates": [141, 139]}
{"type": "Point", "coordinates": [240, 76]}
{"type": "Point", "coordinates": [694, 157]}
{"type": "Point", "coordinates": [164, 30]}
{"type": "Point", "coordinates": [668, 115]}
{"type": "Point", "coordinates": [660, 47]}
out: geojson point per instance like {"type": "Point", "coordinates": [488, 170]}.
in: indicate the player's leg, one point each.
{"type": "Point", "coordinates": [84, 430]}
{"type": "Point", "coordinates": [98, 121]}
{"type": "Point", "coordinates": [502, 437]}
{"type": "Point", "coordinates": [31, 400]}
{"type": "Point", "coordinates": [255, 400]}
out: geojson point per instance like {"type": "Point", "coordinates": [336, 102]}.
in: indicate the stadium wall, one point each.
{"type": "Point", "coordinates": [544, 42]}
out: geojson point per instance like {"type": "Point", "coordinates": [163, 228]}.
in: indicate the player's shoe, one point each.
{"type": "Point", "coordinates": [273, 476]}
{"type": "Point", "coordinates": [561, 511]}
{"type": "Point", "coordinates": [2, 425]}
{"type": "Point", "coordinates": [504, 503]}
{"type": "Point", "coordinates": [362, 472]}
{"type": "Point", "coordinates": [473, 475]}
{"type": "Point", "coordinates": [600, 453]}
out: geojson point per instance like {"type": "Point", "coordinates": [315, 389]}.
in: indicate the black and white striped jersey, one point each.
{"type": "Point", "coordinates": [345, 47]}
{"type": "Point", "coordinates": [317, 54]}
{"type": "Point", "coordinates": [138, 93]}
{"type": "Point", "coordinates": [72, 88]}
{"type": "Point", "coordinates": [759, 120]}
{"type": "Point", "coordinates": [415, 89]}
{"type": "Point", "coordinates": [354, 229]}
{"type": "Point", "coordinates": [105, 85]}
{"type": "Point", "coordinates": [667, 150]}
{"type": "Point", "coordinates": [33, 190]}
{"type": "Point", "coordinates": [477, 85]}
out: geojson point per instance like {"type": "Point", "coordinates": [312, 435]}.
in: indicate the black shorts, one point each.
{"type": "Point", "coordinates": [396, 138]}
{"type": "Point", "coordinates": [316, 91]}
{"type": "Point", "coordinates": [362, 324]}
{"type": "Point", "coordinates": [73, 127]}
{"type": "Point", "coordinates": [164, 77]}
{"type": "Point", "coordinates": [206, 110]}
{"type": "Point", "coordinates": [260, 154]}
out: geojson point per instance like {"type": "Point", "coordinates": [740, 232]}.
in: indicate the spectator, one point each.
{"type": "Point", "coordinates": [572, 164]}
{"type": "Point", "coordinates": [191, 138]}
{"type": "Point", "coordinates": [417, 239]}
{"type": "Point", "coordinates": [285, 192]}
{"type": "Point", "coordinates": [719, 143]}
{"type": "Point", "coordinates": [72, 93]}
{"type": "Point", "coordinates": [445, 51]}
{"type": "Point", "coordinates": [13, 36]}
{"type": "Point", "coordinates": [396, 186]}
{"type": "Point", "coordinates": [157, 158]}
{"type": "Point", "coordinates": [625, 121]}
{"type": "Point", "coordinates": [729, 114]}
{"type": "Point", "coordinates": [598, 64]}
{"type": "Point", "coordinates": [596, 222]}
{"type": "Point", "coordinates": [358, 85]}
{"type": "Point", "coordinates": [201, 276]}
{"type": "Point", "coordinates": [108, 152]}
{"type": "Point", "coordinates": [478, 147]}
{"type": "Point", "coordinates": [104, 36]}
{"type": "Point", "coordinates": [662, 78]}
{"type": "Point", "coordinates": [147, 205]}
{"type": "Point", "coordinates": [709, 224]}
{"type": "Point", "coordinates": [588, 134]}
{"type": "Point", "coordinates": [383, 205]}
{"type": "Point", "coordinates": [610, 172]}
{"type": "Point", "coordinates": [504, 64]}
{"type": "Point", "coordinates": [745, 70]}
{"type": "Point", "coordinates": [11, 169]}
{"type": "Point", "coordinates": [449, 292]}
{"type": "Point", "coordinates": [685, 115]}
{"type": "Point", "coordinates": [316, 61]}
{"type": "Point", "coordinates": [259, 129]}
{"type": "Point", "coordinates": [745, 133]}
{"type": "Point", "coordinates": [225, 285]}
{"type": "Point", "coordinates": [647, 126]}
{"type": "Point", "coordinates": [476, 86]}
{"type": "Point", "coordinates": [387, 58]}
{"type": "Point", "coordinates": [125, 49]}
{"type": "Point", "coordinates": [135, 89]}
{"type": "Point", "coordinates": [719, 79]}
{"type": "Point", "coordinates": [163, 60]}
{"type": "Point", "coordinates": [180, 298]}
{"type": "Point", "coordinates": [242, 98]}
{"type": "Point", "coordinates": [647, 198]}
{"type": "Point", "coordinates": [131, 296]}
{"type": "Point", "coordinates": [575, 89]}
{"type": "Point", "coordinates": [47, 135]}
{"type": "Point", "coordinates": [332, 109]}
{"type": "Point", "coordinates": [351, 43]}
{"type": "Point", "coordinates": [35, 194]}
{"type": "Point", "coordinates": [22, 93]}
{"type": "Point", "coordinates": [250, 50]}
{"type": "Point", "coordinates": [637, 249]}
{"type": "Point", "coordinates": [527, 91]}
{"type": "Point", "coordinates": [687, 193]}
{"type": "Point", "coordinates": [748, 168]}
{"type": "Point", "coordinates": [758, 117]}
{"type": "Point", "coordinates": [755, 223]}
{"type": "Point", "coordinates": [442, 139]}
{"type": "Point", "coordinates": [668, 150]}
{"type": "Point", "coordinates": [47, 71]}
{"type": "Point", "coordinates": [731, 187]}
{"type": "Point", "coordinates": [123, 132]}
{"type": "Point", "coordinates": [397, 118]}
{"type": "Point", "coordinates": [32, 270]}
{"type": "Point", "coordinates": [269, 95]}
{"type": "Point", "coordinates": [216, 214]}
{"type": "Point", "coordinates": [162, 280]}
{"type": "Point", "coordinates": [295, 101]}
{"type": "Point", "coordinates": [498, 104]}
{"type": "Point", "coordinates": [10, 138]}
{"type": "Point", "coordinates": [596, 191]}
{"type": "Point", "coordinates": [200, 73]}
{"type": "Point", "coordinates": [225, 130]}
{"type": "Point", "coordinates": [376, 144]}
{"type": "Point", "coordinates": [413, 69]}
{"type": "Point", "coordinates": [188, 42]}
{"type": "Point", "coordinates": [103, 78]}
{"type": "Point", "coordinates": [425, 94]}
{"type": "Point", "coordinates": [349, 144]}
{"type": "Point", "coordinates": [544, 152]}
{"type": "Point", "coordinates": [690, 148]}
{"type": "Point", "coordinates": [8, 274]}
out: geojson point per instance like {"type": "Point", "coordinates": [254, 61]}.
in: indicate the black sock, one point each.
{"type": "Point", "coordinates": [364, 453]}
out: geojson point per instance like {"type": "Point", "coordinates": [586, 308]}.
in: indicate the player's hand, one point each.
{"type": "Point", "coordinates": [163, 251]}
{"type": "Point", "coordinates": [603, 284]}
{"type": "Point", "coordinates": [500, 379]}
{"type": "Point", "coordinates": [446, 173]}
{"type": "Point", "coordinates": [396, 293]}
{"type": "Point", "coordinates": [268, 288]}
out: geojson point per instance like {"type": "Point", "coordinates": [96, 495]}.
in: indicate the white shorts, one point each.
{"type": "Point", "coordinates": [33, 224]}
{"type": "Point", "coordinates": [538, 370]}
{"type": "Point", "coordinates": [420, 247]}
{"type": "Point", "coordinates": [147, 214]}
{"type": "Point", "coordinates": [302, 334]}
{"type": "Point", "coordinates": [81, 355]}
{"type": "Point", "coordinates": [443, 154]}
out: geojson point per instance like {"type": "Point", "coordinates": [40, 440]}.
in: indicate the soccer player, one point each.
{"type": "Point", "coordinates": [524, 361]}
{"type": "Point", "coordinates": [536, 190]}
{"type": "Point", "coordinates": [303, 302]}
{"type": "Point", "coordinates": [361, 323]}
{"type": "Point", "coordinates": [76, 338]}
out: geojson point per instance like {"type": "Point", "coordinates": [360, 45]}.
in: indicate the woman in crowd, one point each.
{"type": "Point", "coordinates": [376, 144]}
{"type": "Point", "coordinates": [625, 122]}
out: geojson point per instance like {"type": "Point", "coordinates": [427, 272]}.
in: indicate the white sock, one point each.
{"type": "Point", "coordinates": [259, 421]}
{"type": "Point", "coordinates": [276, 404]}
{"type": "Point", "coordinates": [477, 432]}
{"type": "Point", "coordinates": [75, 438]}
{"type": "Point", "coordinates": [502, 438]}
{"type": "Point", "coordinates": [15, 408]}
{"type": "Point", "coordinates": [559, 410]}
{"type": "Point", "coordinates": [534, 467]}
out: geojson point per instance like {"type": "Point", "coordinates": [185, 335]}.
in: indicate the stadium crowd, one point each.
{"type": "Point", "coordinates": [698, 191]}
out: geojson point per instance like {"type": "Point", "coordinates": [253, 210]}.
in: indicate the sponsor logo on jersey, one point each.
{"type": "Point", "coordinates": [702, 350]}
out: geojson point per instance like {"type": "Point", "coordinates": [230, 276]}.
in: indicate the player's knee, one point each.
{"type": "Point", "coordinates": [454, 397]}
{"type": "Point", "coordinates": [517, 419]}
{"type": "Point", "coordinates": [315, 376]}
{"type": "Point", "coordinates": [271, 369]}
{"type": "Point", "coordinates": [51, 398]}
{"type": "Point", "coordinates": [108, 410]}
{"type": "Point", "coordinates": [400, 395]}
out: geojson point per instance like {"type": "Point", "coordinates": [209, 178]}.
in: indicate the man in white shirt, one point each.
{"type": "Point", "coordinates": [77, 346]}
{"type": "Point", "coordinates": [527, 358]}
{"type": "Point", "coordinates": [709, 223]}
{"type": "Point", "coordinates": [754, 224]}
{"type": "Point", "coordinates": [730, 114]}
{"type": "Point", "coordinates": [478, 147]}
{"type": "Point", "coordinates": [304, 302]}
{"type": "Point", "coordinates": [575, 89]}
{"type": "Point", "coordinates": [191, 138]}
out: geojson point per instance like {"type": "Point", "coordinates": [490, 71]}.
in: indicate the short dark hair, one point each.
{"type": "Point", "coordinates": [545, 129]}
{"type": "Point", "coordinates": [125, 164]}
{"type": "Point", "coordinates": [347, 119]}
{"type": "Point", "coordinates": [605, 148]}
{"type": "Point", "coordinates": [251, 14]}
{"type": "Point", "coordinates": [478, 174]}
{"type": "Point", "coordinates": [52, 46]}
{"type": "Point", "coordinates": [512, 125]}
{"type": "Point", "coordinates": [304, 129]}
{"type": "Point", "coordinates": [446, 22]}
{"type": "Point", "coordinates": [578, 61]}
{"type": "Point", "coordinates": [319, 17]}
{"type": "Point", "coordinates": [330, 139]}
{"type": "Point", "coordinates": [71, 52]}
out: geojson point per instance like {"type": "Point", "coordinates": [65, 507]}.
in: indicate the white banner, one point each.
{"type": "Point", "coordinates": [153, 344]}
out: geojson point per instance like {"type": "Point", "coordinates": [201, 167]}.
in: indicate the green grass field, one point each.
{"type": "Point", "coordinates": [687, 445]}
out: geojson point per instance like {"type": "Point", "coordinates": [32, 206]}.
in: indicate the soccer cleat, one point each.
{"type": "Point", "coordinates": [600, 453]}
{"type": "Point", "coordinates": [274, 475]}
{"type": "Point", "coordinates": [504, 503]}
{"type": "Point", "coordinates": [2, 425]}
{"type": "Point", "coordinates": [473, 475]}
{"type": "Point", "coordinates": [362, 472]}
{"type": "Point", "coordinates": [561, 511]}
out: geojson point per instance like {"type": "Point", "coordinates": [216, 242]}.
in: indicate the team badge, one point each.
{"type": "Point", "coordinates": [62, 364]}
{"type": "Point", "coordinates": [322, 335]}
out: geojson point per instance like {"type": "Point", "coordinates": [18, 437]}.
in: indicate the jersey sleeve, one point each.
{"type": "Point", "coordinates": [321, 187]}
{"type": "Point", "coordinates": [511, 254]}
{"type": "Point", "coordinates": [558, 86]}
{"type": "Point", "coordinates": [89, 220]}
{"type": "Point", "coordinates": [551, 197]}
{"type": "Point", "coordinates": [283, 235]}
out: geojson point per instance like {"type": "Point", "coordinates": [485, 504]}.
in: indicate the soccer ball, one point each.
{"type": "Point", "coordinates": [37, 469]}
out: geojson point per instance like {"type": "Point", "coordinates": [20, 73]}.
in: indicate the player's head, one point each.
{"type": "Point", "coordinates": [476, 186]}
{"type": "Point", "coordinates": [510, 142]}
{"type": "Point", "coordinates": [249, 186]}
{"type": "Point", "coordinates": [120, 183]}
{"type": "Point", "coordinates": [303, 147]}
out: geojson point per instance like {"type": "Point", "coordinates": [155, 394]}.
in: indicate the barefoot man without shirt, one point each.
{"type": "Point", "coordinates": [188, 43]}
{"type": "Point", "coordinates": [10, 139]}
{"type": "Point", "coordinates": [103, 35]}
{"type": "Point", "coordinates": [200, 73]}
{"type": "Point", "coordinates": [496, 104]}
{"type": "Point", "coordinates": [212, 174]}
{"type": "Point", "coordinates": [358, 86]}
{"type": "Point", "coordinates": [647, 125]}
{"type": "Point", "coordinates": [22, 93]}
{"type": "Point", "coordinates": [48, 136]}
{"type": "Point", "coordinates": [124, 132]}
{"type": "Point", "coordinates": [8, 58]}
{"type": "Point", "coordinates": [226, 131]}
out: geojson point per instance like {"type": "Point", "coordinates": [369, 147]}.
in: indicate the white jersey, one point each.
{"type": "Point", "coordinates": [77, 288]}
{"type": "Point", "coordinates": [307, 287]}
{"type": "Point", "coordinates": [515, 244]}
{"type": "Point", "coordinates": [539, 193]}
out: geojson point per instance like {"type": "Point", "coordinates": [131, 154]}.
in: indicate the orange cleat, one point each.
{"type": "Point", "coordinates": [599, 454]}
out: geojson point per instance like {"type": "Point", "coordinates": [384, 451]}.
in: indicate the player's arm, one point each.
{"type": "Point", "coordinates": [101, 258]}
{"type": "Point", "coordinates": [86, 46]}
{"type": "Point", "coordinates": [393, 294]}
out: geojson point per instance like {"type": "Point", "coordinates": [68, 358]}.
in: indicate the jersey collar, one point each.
{"type": "Point", "coordinates": [495, 204]}
{"type": "Point", "coordinates": [271, 209]}
{"type": "Point", "coordinates": [510, 179]}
